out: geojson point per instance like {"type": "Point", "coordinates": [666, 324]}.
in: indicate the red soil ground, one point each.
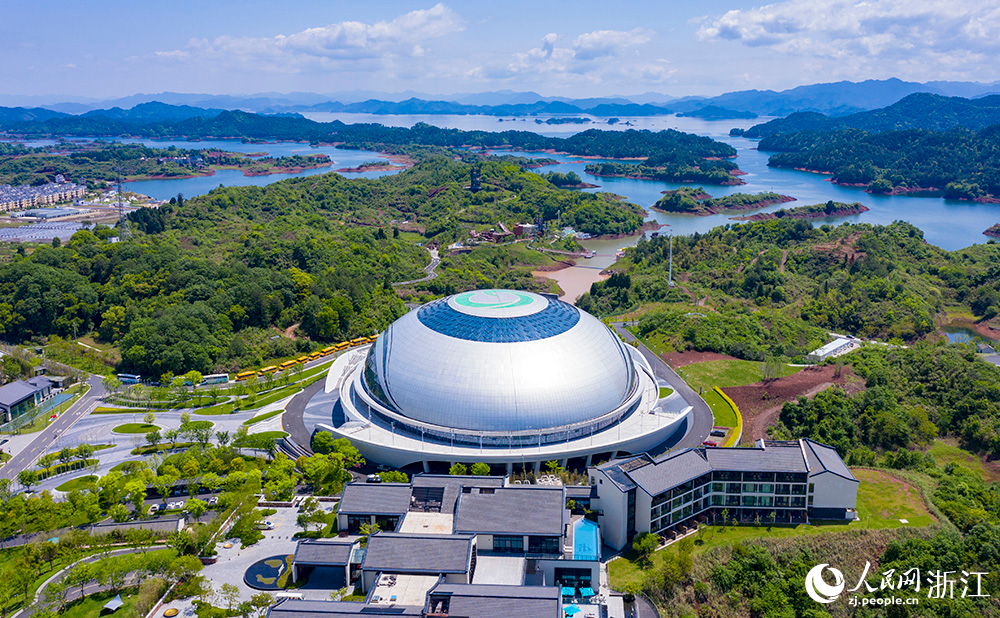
{"type": "Point", "coordinates": [760, 403]}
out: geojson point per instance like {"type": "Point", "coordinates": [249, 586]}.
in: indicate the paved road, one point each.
{"type": "Point", "coordinates": [700, 420]}
{"type": "Point", "coordinates": [291, 420]}
{"type": "Point", "coordinates": [429, 269]}
{"type": "Point", "coordinates": [45, 438]}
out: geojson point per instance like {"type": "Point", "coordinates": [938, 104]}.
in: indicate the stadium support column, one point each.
{"type": "Point", "coordinates": [510, 469]}
{"type": "Point", "coordinates": [427, 466]}
{"type": "Point", "coordinates": [590, 460]}
{"type": "Point", "coordinates": [537, 468]}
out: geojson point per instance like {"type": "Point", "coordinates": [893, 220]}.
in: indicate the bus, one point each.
{"type": "Point", "coordinates": [246, 375]}
{"type": "Point", "coordinates": [343, 345]}
{"type": "Point", "coordinates": [359, 341]}
{"type": "Point", "coordinates": [287, 365]}
{"type": "Point", "coordinates": [372, 338]}
{"type": "Point", "coordinates": [129, 378]}
{"type": "Point", "coordinates": [315, 355]}
{"type": "Point", "coordinates": [267, 370]}
{"type": "Point", "coordinates": [302, 359]}
{"type": "Point", "coordinates": [216, 378]}
{"type": "Point", "coordinates": [328, 350]}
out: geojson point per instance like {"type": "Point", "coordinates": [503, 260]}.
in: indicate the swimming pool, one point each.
{"type": "Point", "coordinates": [586, 540]}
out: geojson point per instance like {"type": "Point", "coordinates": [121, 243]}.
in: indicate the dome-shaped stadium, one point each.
{"type": "Point", "coordinates": [497, 375]}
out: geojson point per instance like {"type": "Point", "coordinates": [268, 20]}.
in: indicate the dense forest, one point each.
{"type": "Point", "coordinates": [659, 168]}
{"type": "Point", "coordinates": [693, 201]}
{"type": "Point", "coordinates": [208, 283]}
{"type": "Point", "coordinates": [926, 111]}
{"type": "Point", "coordinates": [962, 163]}
{"type": "Point", "coordinates": [661, 148]}
{"type": "Point", "coordinates": [100, 161]}
{"type": "Point", "coordinates": [871, 281]}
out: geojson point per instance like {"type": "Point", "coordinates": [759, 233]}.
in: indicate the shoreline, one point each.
{"type": "Point", "coordinates": [898, 191]}
{"type": "Point", "coordinates": [709, 210]}
{"type": "Point", "coordinates": [791, 214]}
{"type": "Point", "coordinates": [993, 231]}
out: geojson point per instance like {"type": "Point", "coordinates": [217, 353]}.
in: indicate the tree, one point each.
{"type": "Point", "coordinates": [458, 469]}
{"type": "Point", "coordinates": [260, 602]}
{"type": "Point", "coordinates": [230, 594]}
{"type": "Point", "coordinates": [118, 513]}
{"type": "Point", "coordinates": [164, 485]}
{"type": "Point", "coordinates": [171, 436]}
{"type": "Point", "coordinates": [480, 469]}
{"type": "Point", "coordinates": [644, 545]}
{"type": "Point", "coordinates": [84, 452]}
{"type": "Point", "coordinates": [367, 530]}
{"type": "Point", "coordinates": [222, 437]}
{"type": "Point", "coordinates": [310, 513]}
{"type": "Point", "coordinates": [27, 478]}
{"type": "Point", "coordinates": [149, 418]}
{"type": "Point", "coordinates": [66, 455]}
{"type": "Point", "coordinates": [154, 438]}
{"type": "Point", "coordinates": [203, 435]}
{"type": "Point", "coordinates": [196, 507]}
{"type": "Point", "coordinates": [395, 476]}
{"type": "Point", "coordinates": [323, 442]}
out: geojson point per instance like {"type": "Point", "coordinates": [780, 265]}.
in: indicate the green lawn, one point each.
{"type": "Point", "coordinates": [946, 451]}
{"type": "Point", "coordinates": [222, 408]}
{"type": "Point", "coordinates": [195, 425]}
{"type": "Point", "coordinates": [665, 391]}
{"type": "Point", "coordinates": [262, 417]}
{"type": "Point", "coordinates": [882, 501]}
{"type": "Point", "coordinates": [269, 398]}
{"type": "Point", "coordinates": [92, 606]}
{"type": "Point", "coordinates": [271, 434]}
{"type": "Point", "coordinates": [726, 373]}
{"type": "Point", "coordinates": [135, 428]}
{"type": "Point", "coordinates": [724, 414]}
{"type": "Point", "coordinates": [79, 483]}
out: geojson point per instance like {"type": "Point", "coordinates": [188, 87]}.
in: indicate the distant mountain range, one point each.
{"type": "Point", "coordinates": [916, 111]}
{"type": "Point", "coordinates": [831, 99]}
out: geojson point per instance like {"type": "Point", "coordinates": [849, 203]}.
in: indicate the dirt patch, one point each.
{"type": "Point", "coordinates": [760, 403]}
{"type": "Point", "coordinates": [681, 359]}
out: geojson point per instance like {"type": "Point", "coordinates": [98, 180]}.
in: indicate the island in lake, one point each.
{"type": "Point", "coordinates": [994, 231]}
{"type": "Point", "coordinates": [813, 211]}
{"type": "Point", "coordinates": [688, 200]}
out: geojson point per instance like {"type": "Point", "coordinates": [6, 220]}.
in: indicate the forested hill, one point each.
{"type": "Point", "coordinates": [916, 111]}
{"type": "Point", "coordinates": [667, 146]}
{"type": "Point", "coordinates": [208, 283]}
{"type": "Point", "coordinates": [961, 164]}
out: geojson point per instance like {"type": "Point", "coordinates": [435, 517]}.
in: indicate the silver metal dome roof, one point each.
{"type": "Point", "coordinates": [499, 360]}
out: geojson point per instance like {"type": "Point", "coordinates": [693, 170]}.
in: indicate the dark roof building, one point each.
{"type": "Point", "coordinates": [20, 396]}
{"type": "Point", "coordinates": [298, 608]}
{"type": "Point", "coordinates": [487, 601]}
{"type": "Point", "coordinates": [419, 553]}
{"type": "Point", "coordinates": [527, 510]}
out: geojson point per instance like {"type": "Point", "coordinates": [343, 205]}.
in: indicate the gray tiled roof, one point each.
{"type": "Point", "coordinates": [452, 486]}
{"type": "Point", "coordinates": [822, 457]}
{"type": "Point", "coordinates": [418, 553]}
{"type": "Point", "coordinates": [671, 471]}
{"type": "Point", "coordinates": [324, 551]}
{"type": "Point", "coordinates": [16, 392]}
{"type": "Point", "coordinates": [297, 608]}
{"type": "Point", "coordinates": [526, 509]}
{"type": "Point", "coordinates": [616, 473]}
{"type": "Point", "coordinates": [492, 601]}
{"type": "Point", "coordinates": [375, 499]}
{"type": "Point", "coordinates": [769, 459]}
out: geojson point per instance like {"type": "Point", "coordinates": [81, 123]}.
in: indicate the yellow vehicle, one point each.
{"type": "Point", "coordinates": [267, 370]}
{"type": "Point", "coordinates": [287, 365]}
{"type": "Point", "coordinates": [315, 355]}
{"type": "Point", "coordinates": [343, 345]}
{"type": "Point", "coordinates": [372, 338]}
{"type": "Point", "coordinates": [359, 341]}
{"type": "Point", "coordinates": [302, 359]}
{"type": "Point", "coordinates": [328, 350]}
{"type": "Point", "coordinates": [246, 375]}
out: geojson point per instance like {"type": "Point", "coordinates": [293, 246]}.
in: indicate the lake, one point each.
{"type": "Point", "coordinates": [950, 224]}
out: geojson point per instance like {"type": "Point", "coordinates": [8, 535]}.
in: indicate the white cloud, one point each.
{"type": "Point", "coordinates": [957, 35]}
{"type": "Point", "coordinates": [404, 36]}
{"type": "Point", "coordinates": [592, 56]}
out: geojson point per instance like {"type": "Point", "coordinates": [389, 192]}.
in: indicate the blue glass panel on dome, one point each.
{"type": "Point", "coordinates": [558, 317]}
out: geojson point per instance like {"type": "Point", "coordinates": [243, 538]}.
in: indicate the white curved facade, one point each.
{"type": "Point", "coordinates": [492, 375]}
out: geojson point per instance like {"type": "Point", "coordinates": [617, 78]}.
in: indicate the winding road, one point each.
{"type": "Point", "coordinates": [700, 420]}
{"type": "Point", "coordinates": [429, 269]}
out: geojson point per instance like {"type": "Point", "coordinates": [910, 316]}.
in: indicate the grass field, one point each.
{"type": "Point", "coordinates": [271, 434]}
{"type": "Point", "coordinates": [273, 396]}
{"type": "Point", "coordinates": [724, 414]}
{"type": "Point", "coordinates": [262, 417]}
{"type": "Point", "coordinates": [727, 373]}
{"type": "Point", "coordinates": [882, 501]}
{"type": "Point", "coordinates": [222, 408]}
{"type": "Point", "coordinates": [665, 391]}
{"type": "Point", "coordinates": [79, 483]}
{"type": "Point", "coordinates": [947, 451]}
{"type": "Point", "coordinates": [135, 428]}
{"type": "Point", "coordinates": [93, 605]}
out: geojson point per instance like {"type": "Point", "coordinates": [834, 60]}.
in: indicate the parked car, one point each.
{"type": "Point", "coordinates": [153, 508]}
{"type": "Point", "coordinates": [710, 443]}
{"type": "Point", "coordinates": [213, 500]}
{"type": "Point", "coordinates": [373, 478]}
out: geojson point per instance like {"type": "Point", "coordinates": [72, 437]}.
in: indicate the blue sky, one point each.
{"type": "Point", "coordinates": [105, 49]}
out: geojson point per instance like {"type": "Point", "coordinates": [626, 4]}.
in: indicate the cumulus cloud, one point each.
{"type": "Point", "coordinates": [404, 36]}
{"type": "Point", "coordinates": [590, 56]}
{"type": "Point", "coordinates": [898, 31]}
